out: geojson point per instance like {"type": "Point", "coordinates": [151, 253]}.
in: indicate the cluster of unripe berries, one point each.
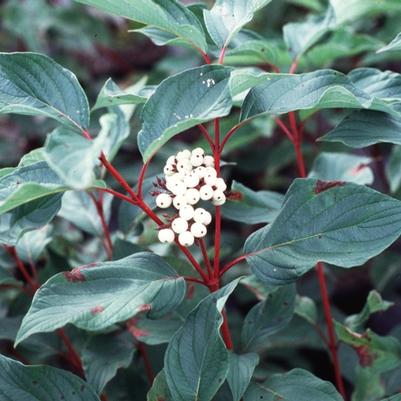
{"type": "Point", "coordinates": [190, 177]}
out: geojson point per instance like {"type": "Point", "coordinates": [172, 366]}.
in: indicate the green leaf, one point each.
{"type": "Point", "coordinates": [376, 355]}
{"type": "Point", "coordinates": [374, 304]}
{"type": "Point", "coordinates": [326, 221]}
{"type": "Point", "coordinates": [396, 397]}
{"type": "Point", "coordinates": [50, 91]}
{"type": "Point", "coordinates": [103, 355]}
{"type": "Point", "coordinates": [343, 167]}
{"type": "Point", "coordinates": [342, 43]}
{"type": "Point", "coordinates": [26, 184]}
{"type": "Point", "coordinates": [296, 385]}
{"type": "Point", "coordinates": [80, 209]}
{"type": "Point", "coordinates": [394, 45]}
{"type": "Point", "coordinates": [252, 207]}
{"type": "Point", "coordinates": [31, 245]}
{"type": "Point", "coordinates": [252, 52]}
{"type": "Point", "coordinates": [227, 17]}
{"type": "Point", "coordinates": [7, 278]}
{"type": "Point", "coordinates": [364, 128]}
{"type": "Point", "coordinates": [268, 317]}
{"type": "Point", "coordinates": [354, 9]}
{"type": "Point", "coordinates": [112, 95]}
{"type": "Point", "coordinates": [167, 15]}
{"type": "Point", "coordinates": [40, 383]}
{"type": "Point", "coordinates": [94, 297]}
{"type": "Point", "coordinates": [196, 370]}
{"type": "Point", "coordinates": [159, 390]}
{"type": "Point", "coordinates": [27, 217]}
{"type": "Point", "coordinates": [300, 36]}
{"type": "Point", "coordinates": [73, 157]}
{"type": "Point", "coordinates": [183, 101]}
{"type": "Point", "coordinates": [306, 308]}
{"type": "Point", "coordinates": [385, 85]}
{"type": "Point", "coordinates": [240, 373]}
{"type": "Point", "coordinates": [320, 89]}
{"type": "Point", "coordinates": [393, 168]}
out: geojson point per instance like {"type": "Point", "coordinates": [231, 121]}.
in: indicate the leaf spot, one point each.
{"type": "Point", "coordinates": [97, 309]}
{"type": "Point", "coordinates": [322, 186]}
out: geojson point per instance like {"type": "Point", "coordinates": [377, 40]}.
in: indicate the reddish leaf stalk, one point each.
{"type": "Point", "coordinates": [206, 257]}
{"type": "Point", "coordinates": [146, 361]}
{"type": "Point", "coordinates": [319, 269]}
{"type": "Point", "coordinates": [108, 244]}
{"type": "Point", "coordinates": [225, 331]}
{"type": "Point", "coordinates": [221, 55]}
{"type": "Point", "coordinates": [142, 178]}
{"type": "Point", "coordinates": [207, 136]}
{"type": "Point", "coordinates": [73, 355]}
{"type": "Point", "coordinates": [205, 57]}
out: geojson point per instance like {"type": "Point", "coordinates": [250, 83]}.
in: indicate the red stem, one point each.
{"type": "Point", "coordinates": [285, 129]}
{"type": "Point", "coordinates": [225, 331]}
{"type": "Point", "coordinates": [194, 280]}
{"type": "Point", "coordinates": [222, 54]}
{"type": "Point", "coordinates": [21, 267]}
{"type": "Point", "coordinates": [229, 134]}
{"type": "Point", "coordinates": [108, 244]}
{"type": "Point", "coordinates": [118, 195]}
{"type": "Point", "coordinates": [72, 353]}
{"type": "Point", "coordinates": [217, 230]}
{"type": "Point", "coordinates": [207, 136]}
{"type": "Point", "coordinates": [146, 361]}
{"type": "Point", "coordinates": [294, 66]}
{"type": "Point", "coordinates": [320, 271]}
{"type": "Point", "coordinates": [330, 328]}
{"type": "Point", "coordinates": [141, 178]}
{"type": "Point", "coordinates": [234, 262]}
{"type": "Point", "coordinates": [206, 257]}
{"type": "Point", "coordinates": [205, 57]}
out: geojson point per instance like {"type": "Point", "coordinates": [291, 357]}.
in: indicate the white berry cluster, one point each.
{"type": "Point", "coordinates": [190, 177]}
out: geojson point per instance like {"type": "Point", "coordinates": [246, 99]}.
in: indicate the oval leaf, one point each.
{"type": "Point", "coordinates": [50, 91]}
{"type": "Point", "coordinates": [94, 297]}
{"type": "Point", "coordinates": [40, 383]}
{"type": "Point", "coordinates": [326, 221]}
{"type": "Point", "coordinates": [196, 370]}
{"type": "Point", "coordinates": [184, 101]}
{"type": "Point", "coordinates": [296, 385]}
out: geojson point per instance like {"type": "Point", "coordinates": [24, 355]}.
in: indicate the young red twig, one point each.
{"type": "Point", "coordinates": [205, 57]}
{"type": "Point", "coordinates": [207, 136]}
{"type": "Point", "coordinates": [229, 134]}
{"type": "Point", "coordinates": [73, 355]}
{"type": "Point", "coordinates": [294, 66]}
{"type": "Point", "coordinates": [206, 257]}
{"type": "Point", "coordinates": [285, 129]}
{"type": "Point", "coordinates": [33, 284]}
{"type": "Point", "coordinates": [330, 329]}
{"type": "Point", "coordinates": [146, 361]}
{"type": "Point", "coordinates": [231, 264]}
{"type": "Point", "coordinates": [225, 331]}
{"type": "Point", "coordinates": [221, 55]}
{"type": "Point", "coordinates": [194, 280]}
{"type": "Point", "coordinates": [118, 195]}
{"type": "Point", "coordinates": [107, 243]}
{"type": "Point", "coordinates": [142, 178]}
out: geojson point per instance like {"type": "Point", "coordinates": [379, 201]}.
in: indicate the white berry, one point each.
{"type": "Point", "coordinates": [179, 225]}
{"type": "Point", "coordinates": [191, 180]}
{"type": "Point", "coordinates": [208, 161]}
{"type": "Point", "coordinates": [210, 172]}
{"type": "Point", "coordinates": [163, 201]}
{"type": "Point", "coordinates": [187, 212]}
{"type": "Point", "coordinates": [186, 238]}
{"type": "Point", "coordinates": [184, 165]}
{"type": "Point", "coordinates": [178, 188]}
{"type": "Point", "coordinates": [179, 202]}
{"type": "Point", "coordinates": [168, 170]}
{"type": "Point", "coordinates": [200, 171]}
{"type": "Point", "coordinates": [206, 192]}
{"type": "Point", "coordinates": [196, 160]}
{"type": "Point", "coordinates": [198, 230]}
{"type": "Point", "coordinates": [192, 196]}
{"type": "Point", "coordinates": [184, 154]}
{"type": "Point", "coordinates": [210, 180]}
{"type": "Point", "coordinates": [199, 215]}
{"type": "Point", "coordinates": [220, 184]}
{"type": "Point", "coordinates": [198, 151]}
{"type": "Point", "coordinates": [219, 198]}
{"type": "Point", "coordinates": [207, 218]}
{"type": "Point", "coordinates": [170, 161]}
{"type": "Point", "coordinates": [166, 235]}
